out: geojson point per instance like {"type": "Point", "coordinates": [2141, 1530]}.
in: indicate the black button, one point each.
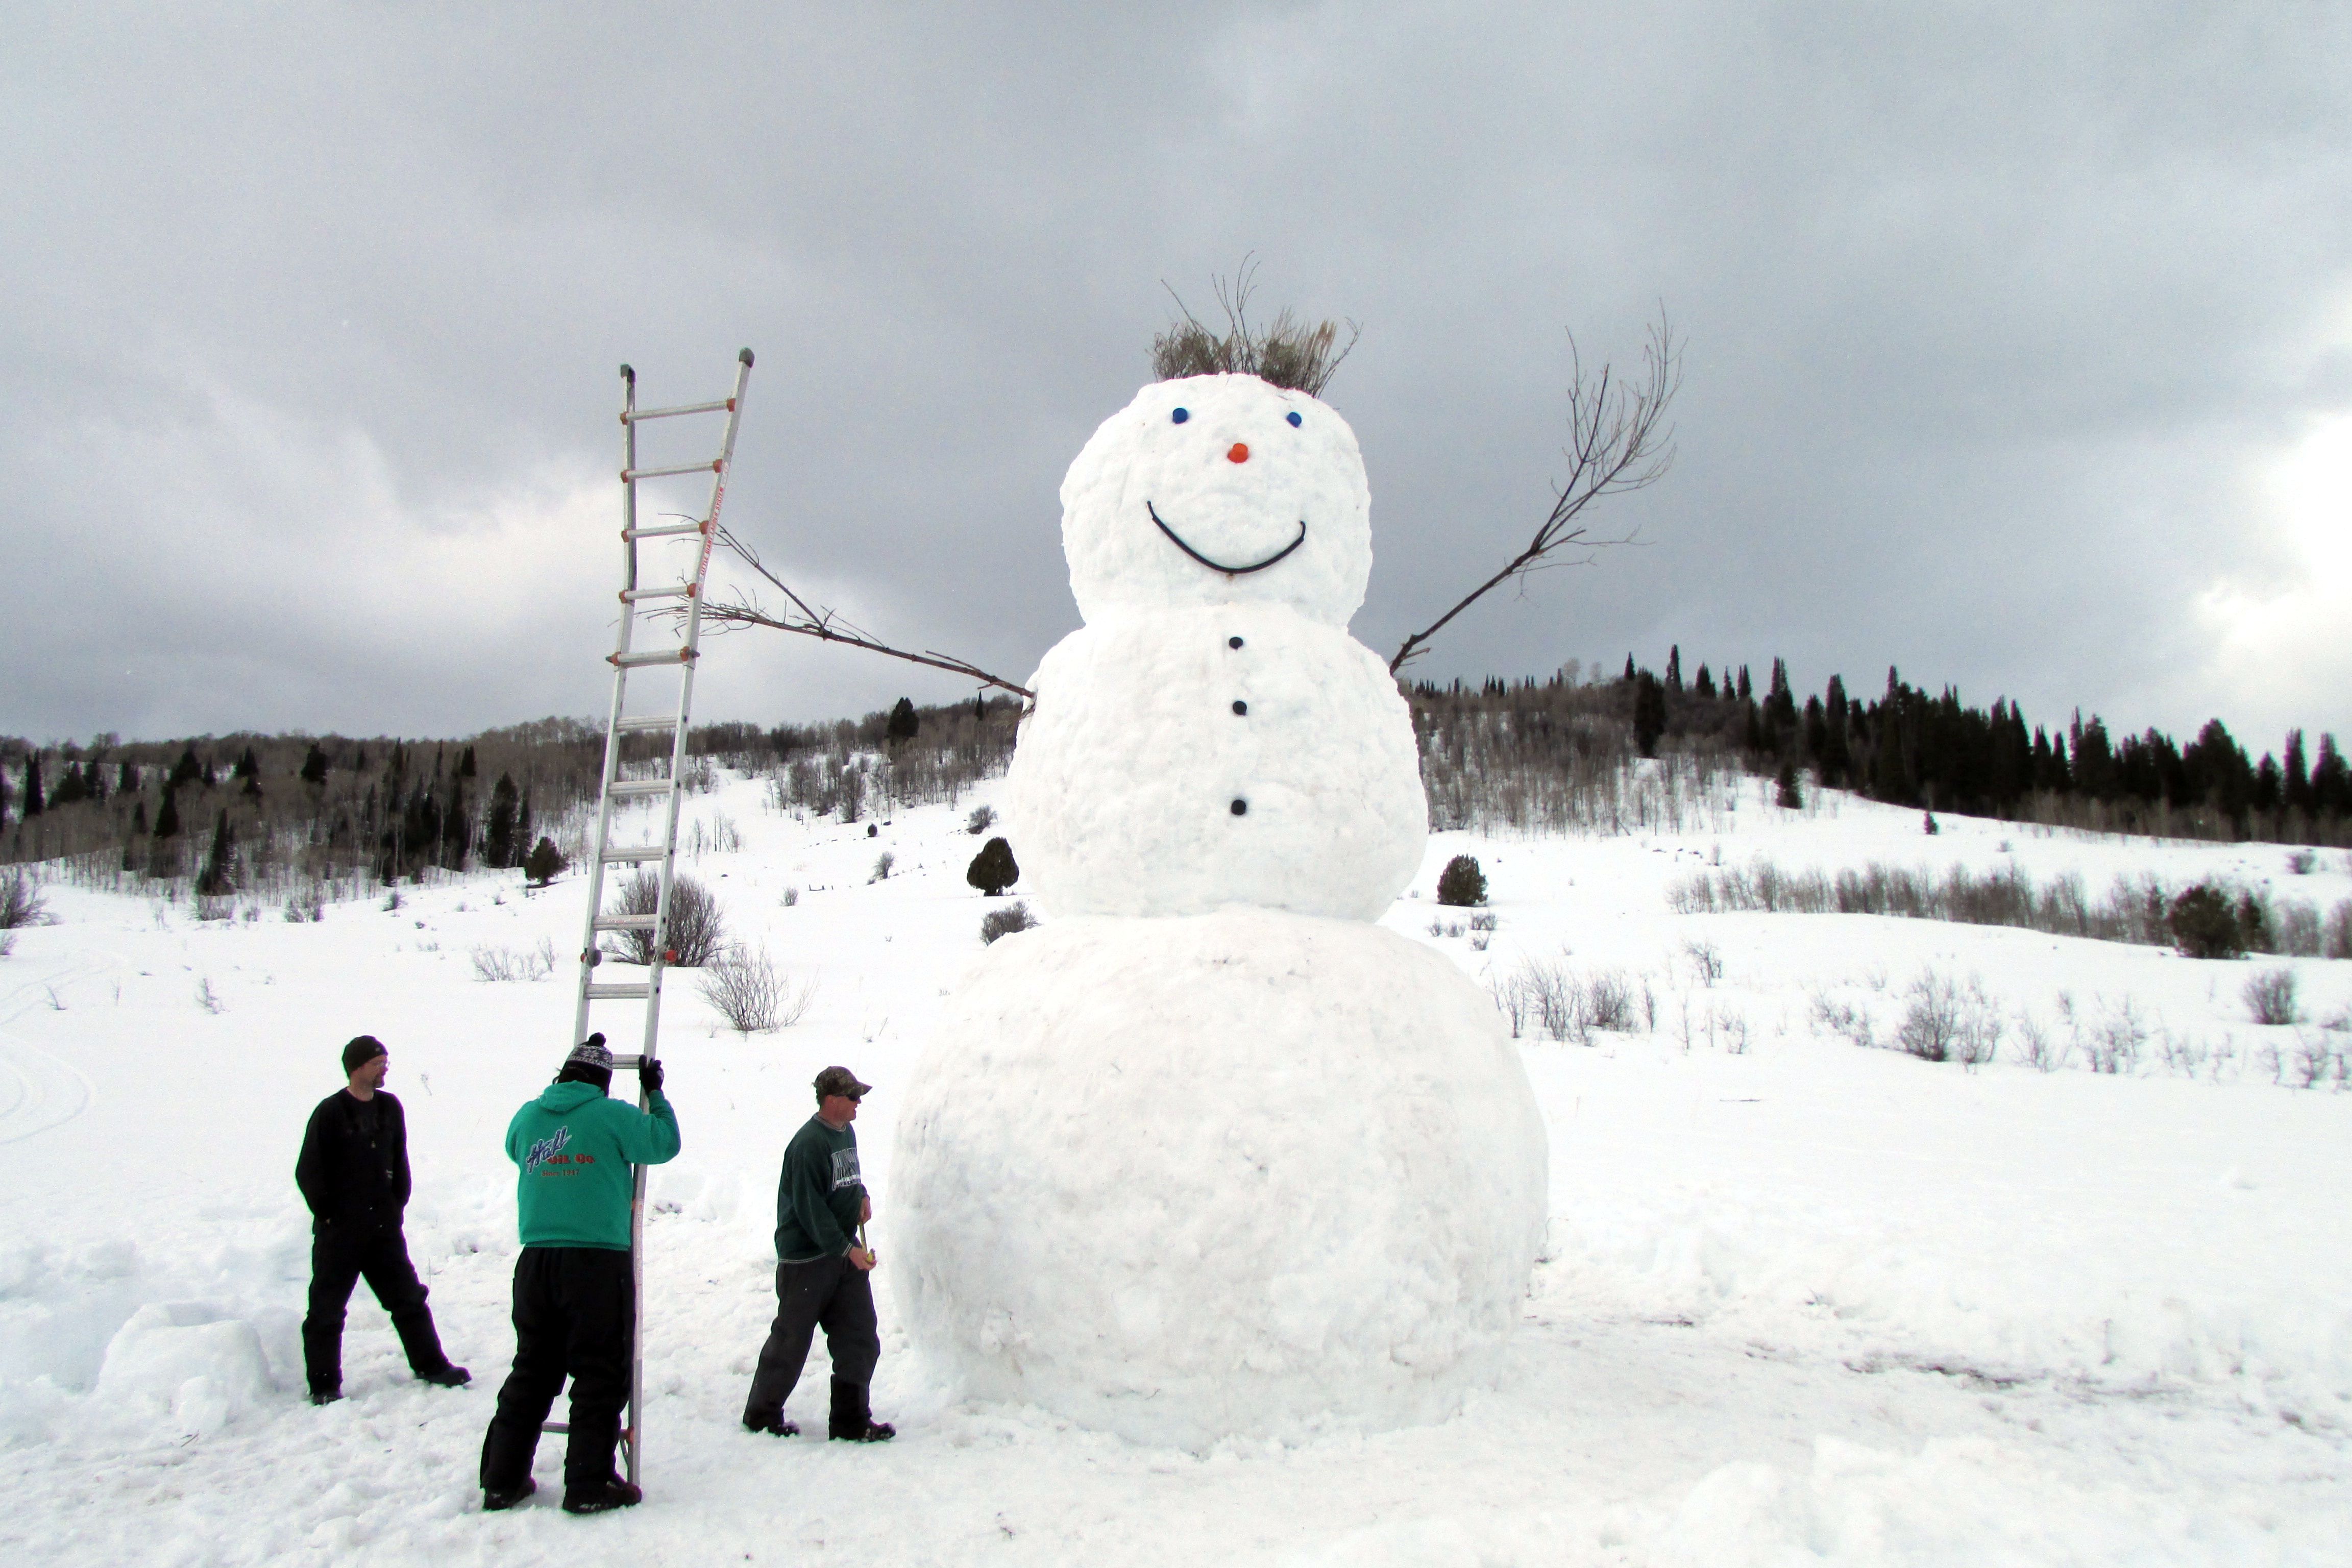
{"type": "Point", "coordinates": [1241, 808]}
{"type": "Point", "coordinates": [1239, 706]}
{"type": "Point", "coordinates": [1232, 642]}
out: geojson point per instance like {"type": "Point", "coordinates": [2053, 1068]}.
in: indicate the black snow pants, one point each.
{"type": "Point", "coordinates": [831, 1293]}
{"type": "Point", "coordinates": [337, 1262]}
{"type": "Point", "coordinates": [575, 1312]}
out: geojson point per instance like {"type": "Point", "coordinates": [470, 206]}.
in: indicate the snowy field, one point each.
{"type": "Point", "coordinates": [1802, 1301]}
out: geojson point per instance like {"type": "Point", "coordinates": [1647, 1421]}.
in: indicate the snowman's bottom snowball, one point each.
{"type": "Point", "coordinates": [1239, 1173]}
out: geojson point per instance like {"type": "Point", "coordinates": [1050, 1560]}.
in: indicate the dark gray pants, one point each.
{"type": "Point", "coordinates": [826, 1293]}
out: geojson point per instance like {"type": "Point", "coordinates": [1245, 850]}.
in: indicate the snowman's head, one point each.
{"type": "Point", "coordinates": [1219, 489]}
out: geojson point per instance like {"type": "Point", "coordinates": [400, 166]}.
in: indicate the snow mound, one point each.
{"type": "Point", "coordinates": [1121, 795]}
{"type": "Point", "coordinates": [1241, 1173]}
{"type": "Point", "coordinates": [1296, 487]}
{"type": "Point", "coordinates": [185, 1363]}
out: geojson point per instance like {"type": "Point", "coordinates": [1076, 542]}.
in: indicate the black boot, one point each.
{"type": "Point", "coordinates": [852, 1418]}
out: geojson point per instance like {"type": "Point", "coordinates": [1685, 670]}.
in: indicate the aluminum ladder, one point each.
{"type": "Point", "coordinates": [664, 792]}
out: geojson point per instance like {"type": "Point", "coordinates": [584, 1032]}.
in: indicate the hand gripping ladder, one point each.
{"type": "Point", "coordinates": [662, 850]}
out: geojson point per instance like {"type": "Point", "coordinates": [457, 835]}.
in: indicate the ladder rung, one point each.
{"type": "Point", "coordinates": [556, 1427]}
{"type": "Point", "coordinates": [661, 531]}
{"type": "Point", "coordinates": [654, 722]}
{"type": "Point", "coordinates": [660, 655]}
{"type": "Point", "coordinates": [632, 852]}
{"type": "Point", "coordinates": [675, 591]}
{"type": "Point", "coordinates": [629, 993]}
{"type": "Point", "coordinates": [726, 405]}
{"type": "Point", "coordinates": [620, 1061]}
{"type": "Point", "coordinates": [625, 788]}
{"type": "Point", "coordinates": [629, 475]}
{"type": "Point", "coordinates": [625, 922]}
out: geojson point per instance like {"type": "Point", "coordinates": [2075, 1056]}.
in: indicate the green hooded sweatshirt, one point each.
{"type": "Point", "coordinates": [574, 1145]}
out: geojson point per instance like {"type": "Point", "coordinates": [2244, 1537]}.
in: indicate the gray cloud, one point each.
{"type": "Point", "coordinates": [1995, 317]}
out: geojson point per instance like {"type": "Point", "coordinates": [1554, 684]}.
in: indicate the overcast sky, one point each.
{"type": "Point", "coordinates": [2018, 337]}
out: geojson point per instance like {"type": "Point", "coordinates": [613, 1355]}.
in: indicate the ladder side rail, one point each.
{"type": "Point", "coordinates": [602, 839]}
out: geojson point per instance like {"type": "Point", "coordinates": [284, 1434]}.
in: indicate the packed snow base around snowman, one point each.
{"type": "Point", "coordinates": [1795, 1295]}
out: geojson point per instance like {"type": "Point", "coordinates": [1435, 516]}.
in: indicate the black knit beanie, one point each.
{"type": "Point", "coordinates": [364, 1048]}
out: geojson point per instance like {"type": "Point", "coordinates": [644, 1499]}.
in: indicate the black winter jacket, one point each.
{"type": "Point", "coordinates": [353, 1169]}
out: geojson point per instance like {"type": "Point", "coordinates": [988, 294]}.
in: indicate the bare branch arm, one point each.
{"type": "Point", "coordinates": [825, 627]}
{"type": "Point", "coordinates": [1615, 443]}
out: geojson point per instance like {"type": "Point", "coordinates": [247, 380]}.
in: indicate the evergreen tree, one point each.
{"type": "Point", "coordinates": [1746, 692]}
{"type": "Point", "coordinates": [1675, 669]}
{"type": "Point", "coordinates": [1628, 668]}
{"type": "Point", "coordinates": [544, 864]}
{"type": "Point", "coordinates": [993, 869]}
{"type": "Point", "coordinates": [314, 766]}
{"type": "Point", "coordinates": [465, 763]}
{"type": "Point", "coordinates": [456, 827]}
{"type": "Point", "coordinates": [34, 803]}
{"type": "Point", "coordinates": [187, 770]}
{"type": "Point", "coordinates": [218, 878]}
{"type": "Point", "coordinates": [138, 821]}
{"type": "Point", "coordinates": [248, 766]}
{"type": "Point", "coordinates": [1649, 712]}
{"type": "Point", "coordinates": [68, 788]}
{"type": "Point", "coordinates": [979, 707]}
{"type": "Point", "coordinates": [167, 816]}
{"type": "Point", "coordinates": [2331, 781]}
{"type": "Point", "coordinates": [1705, 685]}
{"type": "Point", "coordinates": [904, 724]}
{"type": "Point", "coordinates": [2296, 785]}
{"type": "Point", "coordinates": [126, 779]}
{"type": "Point", "coordinates": [1837, 720]}
{"type": "Point", "coordinates": [1780, 705]}
{"type": "Point", "coordinates": [93, 779]}
{"type": "Point", "coordinates": [499, 835]}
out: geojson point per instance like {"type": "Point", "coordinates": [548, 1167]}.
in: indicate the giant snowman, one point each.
{"type": "Point", "coordinates": [1209, 1154]}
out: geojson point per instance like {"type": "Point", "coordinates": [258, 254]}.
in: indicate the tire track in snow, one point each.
{"type": "Point", "coordinates": [38, 1091]}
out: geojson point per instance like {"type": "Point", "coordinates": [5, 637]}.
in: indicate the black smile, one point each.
{"type": "Point", "coordinates": [1220, 566]}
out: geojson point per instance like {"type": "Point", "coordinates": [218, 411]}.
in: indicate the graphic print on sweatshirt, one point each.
{"type": "Point", "coordinates": [844, 1169]}
{"type": "Point", "coordinates": [548, 1149]}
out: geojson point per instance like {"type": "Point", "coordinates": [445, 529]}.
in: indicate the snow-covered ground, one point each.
{"type": "Point", "coordinates": [1802, 1301]}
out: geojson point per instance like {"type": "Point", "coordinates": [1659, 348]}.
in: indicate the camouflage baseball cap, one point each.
{"type": "Point", "coordinates": [841, 1081]}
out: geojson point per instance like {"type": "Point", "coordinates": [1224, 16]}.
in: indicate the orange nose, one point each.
{"type": "Point", "coordinates": [1239, 454]}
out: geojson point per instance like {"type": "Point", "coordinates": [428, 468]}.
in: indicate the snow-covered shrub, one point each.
{"type": "Point", "coordinates": [697, 926]}
{"type": "Point", "coordinates": [499, 963]}
{"type": "Point", "coordinates": [1462, 883]}
{"type": "Point", "coordinates": [1012, 917]}
{"type": "Point", "coordinates": [2111, 1043]}
{"type": "Point", "coordinates": [2338, 941]}
{"type": "Point", "coordinates": [20, 902]}
{"type": "Point", "coordinates": [1845, 1019]}
{"type": "Point", "coordinates": [982, 817]}
{"type": "Point", "coordinates": [2302, 861]}
{"type": "Point", "coordinates": [1706, 960]}
{"type": "Point", "coordinates": [1485, 923]}
{"type": "Point", "coordinates": [1609, 1002]}
{"type": "Point", "coordinates": [2270, 998]}
{"type": "Point", "coordinates": [882, 864]}
{"type": "Point", "coordinates": [544, 864]}
{"type": "Point", "coordinates": [2295, 930]}
{"type": "Point", "coordinates": [2037, 1048]}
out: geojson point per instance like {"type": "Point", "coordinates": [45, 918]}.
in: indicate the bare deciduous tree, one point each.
{"type": "Point", "coordinates": [1617, 442]}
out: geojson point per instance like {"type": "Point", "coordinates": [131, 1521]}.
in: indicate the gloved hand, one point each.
{"type": "Point", "coordinates": [650, 1076]}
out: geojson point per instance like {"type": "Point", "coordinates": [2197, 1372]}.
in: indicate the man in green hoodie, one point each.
{"type": "Point", "coordinates": [575, 1301]}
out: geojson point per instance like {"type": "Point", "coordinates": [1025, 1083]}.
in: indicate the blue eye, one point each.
{"type": "Point", "coordinates": [1294, 420]}
{"type": "Point", "coordinates": [1181, 414]}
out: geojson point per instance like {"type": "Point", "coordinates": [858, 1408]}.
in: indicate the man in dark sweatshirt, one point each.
{"type": "Point", "coordinates": [822, 1273]}
{"type": "Point", "coordinates": [353, 1173]}
{"type": "Point", "coordinates": [575, 1288]}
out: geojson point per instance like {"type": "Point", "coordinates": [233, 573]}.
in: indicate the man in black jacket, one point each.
{"type": "Point", "coordinates": [353, 1173]}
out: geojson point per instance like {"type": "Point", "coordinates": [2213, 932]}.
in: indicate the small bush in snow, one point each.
{"type": "Point", "coordinates": [1484, 923]}
{"type": "Point", "coordinates": [1462, 883]}
{"type": "Point", "coordinates": [542, 865]}
{"type": "Point", "coordinates": [1843, 1019]}
{"type": "Point", "coordinates": [2111, 1043]}
{"type": "Point", "coordinates": [790, 897]}
{"type": "Point", "coordinates": [1706, 960]}
{"type": "Point", "coordinates": [1946, 1022]}
{"type": "Point", "coordinates": [1789, 795]}
{"type": "Point", "coordinates": [499, 963]}
{"type": "Point", "coordinates": [697, 926]}
{"type": "Point", "coordinates": [747, 990]}
{"type": "Point", "coordinates": [2037, 1048]}
{"type": "Point", "coordinates": [993, 869]}
{"type": "Point", "coordinates": [1012, 917]}
{"type": "Point", "coordinates": [1609, 1002]}
{"type": "Point", "coordinates": [2204, 925]}
{"type": "Point", "coordinates": [2270, 998]}
{"type": "Point", "coordinates": [882, 864]}
{"type": "Point", "coordinates": [981, 819]}
{"type": "Point", "coordinates": [2339, 931]}
{"type": "Point", "coordinates": [20, 902]}
{"type": "Point", "coordinates": [2300, 862]}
